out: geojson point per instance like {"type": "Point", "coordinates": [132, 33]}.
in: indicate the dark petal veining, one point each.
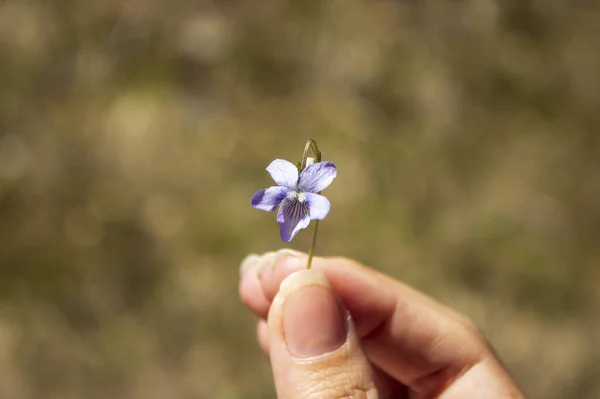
{"type": "Point", "coordinates": [292, 217]}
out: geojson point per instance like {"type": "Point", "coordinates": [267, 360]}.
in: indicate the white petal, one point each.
{"type": "Point", "coordinates": [318, 206]}
{"type": "Point", "coordinates": [284, 173]}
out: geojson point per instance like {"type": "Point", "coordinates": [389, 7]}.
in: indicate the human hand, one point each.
{"type": "Point", "coordinates": [342, 330]}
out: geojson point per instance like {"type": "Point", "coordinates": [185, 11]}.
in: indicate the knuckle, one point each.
{"type": "Point", "coordinates": [361, 394]}
{"type": "Point", "coordinates": [470, 327]}
{"type": "Point", "coordinates": [348, 262]}
{"type": "Point", "coordinates": [353, 381]}
{"type": "Point", "coordinates": [347, 393]}
{"type": "Point", "coordinates": [474, 330]}
{"type": "Point", "coordinates": [476, 335]}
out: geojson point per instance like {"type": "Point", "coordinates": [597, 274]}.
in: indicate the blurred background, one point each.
{"type": "Point", "coordinates": [133, 134]}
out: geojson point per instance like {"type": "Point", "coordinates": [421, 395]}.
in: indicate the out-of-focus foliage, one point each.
{"type": "Point", "coordinates": [133, 134]}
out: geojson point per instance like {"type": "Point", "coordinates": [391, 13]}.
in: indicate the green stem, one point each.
{"type": "Point", "coordinates": [311, 250]}
{"type": "Point", "coordinates": [312, 146]}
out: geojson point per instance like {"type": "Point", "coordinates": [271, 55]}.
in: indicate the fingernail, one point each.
{"type": "Point", "coordinates": [270, 259]}
{"type": "Point", "coordinates": [265, 261]}
{"type": "Point", "coordinates": [284, 252]}
{"type": "Point", "coordinates": [247, 263]}
{"type": "Point", "coordinates": [313, 320]}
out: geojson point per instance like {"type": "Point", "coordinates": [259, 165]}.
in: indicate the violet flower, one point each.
{"type": "Point", "coordinates": [296, 195]}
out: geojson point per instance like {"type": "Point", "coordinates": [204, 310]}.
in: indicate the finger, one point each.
{"type": "Point", "coordinates": [272, 267]}
{"type": "Point", "coordinates": [407, 334]}
{"type": "Point", "coordinates": [250, 289]}
{"type": "Point", "coordinates": [262, 335]}
{"type": "Point", "coordinates": [314, 349]}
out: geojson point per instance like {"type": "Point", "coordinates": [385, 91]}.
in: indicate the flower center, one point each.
{"type": "Point", "coordinates": [296, 196]}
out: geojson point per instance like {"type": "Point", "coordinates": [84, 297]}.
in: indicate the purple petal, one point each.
{"type": "Point", "coordinates": [318, 206]}
{"type": "Point", "coordinates": [269, 199]}
{"type": "Point", "coordinates": [317, 177]}
{"type": "Point", "coordinates": [284, 173]}
{"type": "Point", "coordinates": [292, 217]}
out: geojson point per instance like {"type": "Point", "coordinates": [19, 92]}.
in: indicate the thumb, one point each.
{"type": "Point", "coordinates": [314, 350]}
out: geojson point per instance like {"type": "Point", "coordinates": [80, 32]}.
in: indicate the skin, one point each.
{"type": "Point", "coordinates": [396, 342]}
